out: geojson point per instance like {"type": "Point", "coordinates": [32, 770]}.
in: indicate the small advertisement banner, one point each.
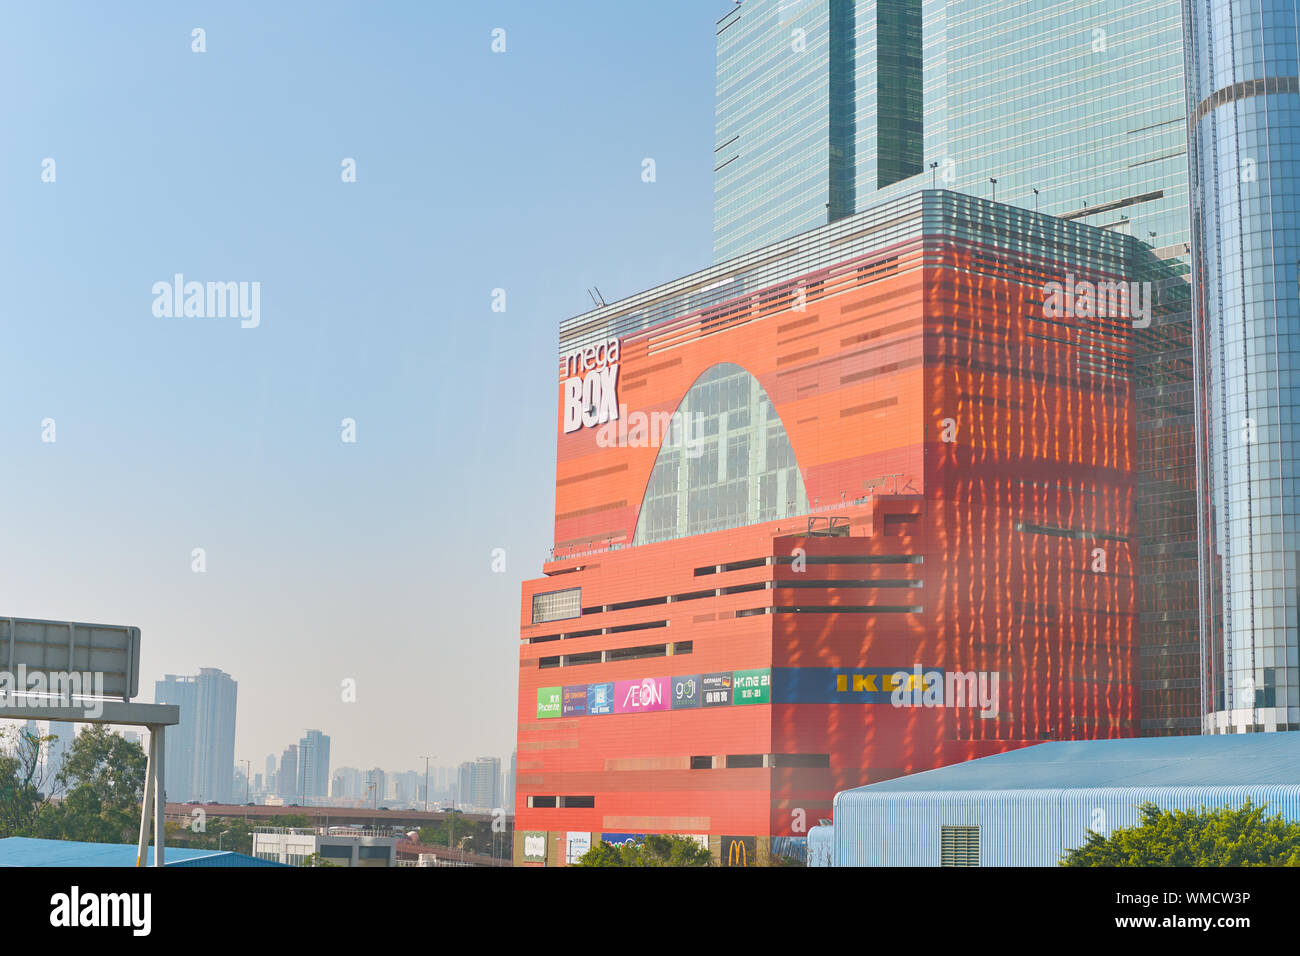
{"type": "Point", "coordinates": [600, 698]}
{"type": "Point", "coordinates": [548, 702]}
{"type": "Point", "coordinates": [715, 689]}
{"type": "Point", "coordinates": [636, 696]}
{"type": "Point", "coordinates": [686, 691]}
{"type": "Point", "coordinates": [576, 844]}
{"type": "Point", "coordinates": [752, 687]}
{"type": "Point", "coordinates": [573, 703]}
{"type": "Point", "coordinates": [620, 839]}
{"type": "Point", "coordinates": [535, 847]}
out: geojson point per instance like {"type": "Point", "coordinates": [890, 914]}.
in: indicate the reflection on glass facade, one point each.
{"type": "Point", "coordinates": [727, 462]}
{"type": "Point", "coordinates": [1078, 109]}
{"type": "Point", "coordinates": [1244, 100]}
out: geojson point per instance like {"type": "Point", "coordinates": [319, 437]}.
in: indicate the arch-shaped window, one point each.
{"type": "Point", "coordinates": [726, 462]}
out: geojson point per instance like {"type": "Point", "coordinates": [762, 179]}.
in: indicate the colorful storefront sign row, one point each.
{"type": "Point", "coordinates": [734, 850]}
{"type": "Point", "coordinates": [656, 693]}
{"type": "Point", "coordinates": [901, 687]}
{"type": "Point", "coordinates": [576, 844]}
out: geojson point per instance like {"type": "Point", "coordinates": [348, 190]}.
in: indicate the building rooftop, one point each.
{"type": "Point", "coordinates": [26, 851]}
{"type": "Point", "coordinates": [1219, 760]}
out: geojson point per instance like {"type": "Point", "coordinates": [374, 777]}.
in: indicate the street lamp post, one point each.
{"type": "Point", "coordinates": [426, 782]}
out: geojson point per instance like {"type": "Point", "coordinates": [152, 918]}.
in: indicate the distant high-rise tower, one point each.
{"type": "Point", "coordinates": [314, 766]}
{"type": "Point", "coordinates": [287, 779]}
{"type": "Point", "coordinates": [346, 784]}
{"type": "Point", "coordinates": [465, 784]}
{"type": "Point", "coordinates": [59, 748]}
{"type": "Point", "coordinates": [200, 752]}
{"type": "Point", "coordinates": [376, 787]}
{"type": "Point", "coordinates": [487, 783]}
{"type": "Point", "coordinates": [510, 783]}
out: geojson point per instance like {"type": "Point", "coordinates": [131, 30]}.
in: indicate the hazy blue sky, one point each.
{"type": "Point", "coordinates": [475, 170]}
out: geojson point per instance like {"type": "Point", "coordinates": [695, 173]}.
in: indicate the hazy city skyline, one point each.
{"type": "Point", "coordinates": [324, 561]}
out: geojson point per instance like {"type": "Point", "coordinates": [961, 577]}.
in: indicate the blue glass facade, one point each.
{"type": "Point", "coordinates": [825, 107]}
{"type": "Point", "coordinates": [1244, 103]}
{"type": "Point", "coordinates": [773, 151]}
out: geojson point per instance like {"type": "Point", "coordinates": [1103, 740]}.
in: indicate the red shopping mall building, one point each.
{"type": "Point", "coordinates": [855, 505]}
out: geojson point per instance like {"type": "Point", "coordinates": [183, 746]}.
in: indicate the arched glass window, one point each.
{"type": "Point", "coordinates": [726, 462]}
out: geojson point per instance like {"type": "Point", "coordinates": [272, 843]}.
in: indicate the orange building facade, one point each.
{"type": "Point", "coordinates": [856, 505]}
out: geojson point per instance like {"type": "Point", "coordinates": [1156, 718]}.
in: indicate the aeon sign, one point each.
{"type": "Point", "coordinates": [591, 389]}
{"type": "Point", "coordinates": [635, 696]}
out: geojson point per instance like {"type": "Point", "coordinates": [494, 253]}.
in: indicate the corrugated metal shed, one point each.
{"type": "Point", "coordinates": [1219, 760]}
{"type": "Point", "coordinates": [820, 846]}
{"type": "Point", "coordinates": [1030, 805]}
{"type": "Point", "coordinates": [25, 851]}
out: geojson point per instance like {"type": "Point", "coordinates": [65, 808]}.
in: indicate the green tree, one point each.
{"type": "Point", "coordinates": [23, 786]}
{"type": "Point", "coordinates": [656, 850]}
{"type": "Point", "coordinates": [1225, 836]}
{"type": "Point", "coordinates": [476, 836]}
{"type": "Point", "coordinates": [315, 859]}
{"type": "Point", "coordinates": [103, 776]}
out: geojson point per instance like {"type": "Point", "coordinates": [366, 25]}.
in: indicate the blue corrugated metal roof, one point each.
{"type": "Point", "coordinates": [1217, 760]}
{"type": "Point", "coordinates": [25, 851]}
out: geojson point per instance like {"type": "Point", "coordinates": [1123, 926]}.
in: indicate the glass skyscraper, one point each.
{"type": "Point", "coordinates": [773, 156]}
{"type": "Point", "coordinates": [825, 107]}
{"type": "Point", "coordinates": [1244, 105]}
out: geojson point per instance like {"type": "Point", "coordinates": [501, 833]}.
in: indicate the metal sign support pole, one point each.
{"type": "Point", "coordinates": [146, 805]}
{"type": "Point", "coordinates": [158, 740]}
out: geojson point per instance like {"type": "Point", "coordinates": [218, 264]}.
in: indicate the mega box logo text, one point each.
{"type": "Point", "coordinates": [591, 388]}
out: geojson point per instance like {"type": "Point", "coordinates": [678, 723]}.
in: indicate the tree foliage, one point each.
{"type": "Point", "coordinates": [22, 784]}
{"type": "Point", "coordinates": [1226, 836]}
{"type": "Point", "coordinates": [95, 796]}
{"type": "Point", "coordinates": [656, 850]}
{"type": "Point", "coordinates": [103, 780]}
{"type": "Point", "coordinates": [454, 830]}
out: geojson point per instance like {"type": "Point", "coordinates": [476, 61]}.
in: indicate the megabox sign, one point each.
{"type": "Point", "coordinates": [591, 388]}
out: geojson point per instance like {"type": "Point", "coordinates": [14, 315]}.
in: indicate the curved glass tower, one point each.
{"type": "Point", "coordinates": [1244, 158]}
